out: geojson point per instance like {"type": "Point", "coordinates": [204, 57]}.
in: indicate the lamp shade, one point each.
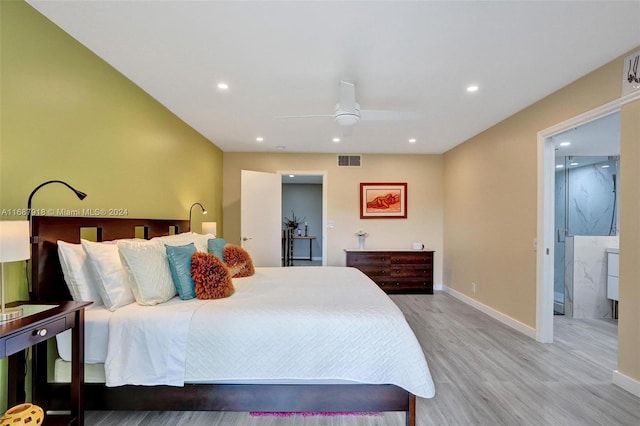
{"type": "Point", "coordinates": [14, 240]}
{"type": "Point", "coordinates": [209, 228]}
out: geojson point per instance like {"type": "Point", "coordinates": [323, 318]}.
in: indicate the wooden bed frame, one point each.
{"type": "Point", "coordinates": [47, 285]}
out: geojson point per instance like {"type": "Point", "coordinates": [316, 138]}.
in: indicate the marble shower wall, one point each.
{"type": "Point", "coordinates": [589, 271]}
{"type": "Point", "coordinates": [591, 199]}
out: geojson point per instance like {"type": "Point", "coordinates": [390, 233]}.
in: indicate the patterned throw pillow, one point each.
{"type": "Point", "coordinates": [211, 277]}
{"type": "Point", "coordinates": [238, 261]}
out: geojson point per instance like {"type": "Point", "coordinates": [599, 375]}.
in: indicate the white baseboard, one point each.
{"type": "Point", "coordinates": [627, 383]}
{"type": "Point", "coordinates": [497, 315]}
{"type": "Point", "coordinates": [438, 287]}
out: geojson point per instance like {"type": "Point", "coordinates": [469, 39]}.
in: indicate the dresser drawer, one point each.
{"type": "Point", "coordinates": [375, 270]}
{"type": "Point", "coordinates": [410, 270]}
{"type": "Point", "coordinates": [406, 286]}
{"type": "Point", "coordinates": [400, 258]}
{"type": "Point", "coordinates": [35, 335]}
{"type": "Point", "coordinates": [355, 259]}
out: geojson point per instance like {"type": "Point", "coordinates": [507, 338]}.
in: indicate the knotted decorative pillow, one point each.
{"type": "Point", "coordinates": [238, 261]}
{"type": "Point", "coordinates": [212, 278]}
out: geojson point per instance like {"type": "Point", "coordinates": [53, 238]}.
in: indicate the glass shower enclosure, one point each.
{"type": "Point", "coordinates": [586, 199]}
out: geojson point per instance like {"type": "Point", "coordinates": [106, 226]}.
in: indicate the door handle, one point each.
{"type": "Point", "coordinates": [246, 238]}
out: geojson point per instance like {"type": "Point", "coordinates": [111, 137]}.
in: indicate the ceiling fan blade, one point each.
{"type": "Point", "coordinates": [304, 116]}
{"type": "Point", "coordinates": [379, 115]}
{"type": "Point", "coordinates": [347, 96]}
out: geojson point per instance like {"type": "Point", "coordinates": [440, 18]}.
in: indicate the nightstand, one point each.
{"type": "Point", "coordinates": [39, 323]}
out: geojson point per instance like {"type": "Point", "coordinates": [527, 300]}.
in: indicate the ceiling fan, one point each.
{"type": "Point", "coordinates": [348, 113]}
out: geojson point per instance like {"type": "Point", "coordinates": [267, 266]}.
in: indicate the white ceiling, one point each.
{"type": "Point", "coordinates": [599, 137]}
{"type": "Point", "coordinates": [287, 58]}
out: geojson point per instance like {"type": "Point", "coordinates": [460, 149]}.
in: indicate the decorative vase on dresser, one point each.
{"type": "Point", "coordinates": [396, 271]}
{"type": "Point", "coordinates": [361, 241]}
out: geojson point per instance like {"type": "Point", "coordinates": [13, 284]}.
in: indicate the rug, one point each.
{"type": "Point", "coordinates": [312, 413]}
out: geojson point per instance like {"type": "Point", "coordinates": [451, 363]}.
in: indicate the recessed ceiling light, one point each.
{"type": "Point", "coordinates": [559, 166]}
{"type": "Point", "coordinates": [259, 138]}
{"type": "Point", "coordinates": [573, 164]}
{"type": "Point", "coordinates": [565, 143]}
{"type": "Point", "coordinates": [605, 166]}
{"type": "Point", "coordinates": [292, 176]}
{"type": "Point", "coordinates": [336, 140]}
{"type": "Point", "coordinates": [412, 140]}
{"type": "Point", "coordinates": [223, 86]}
{"type": "Point", "coordinates": [472, 88]}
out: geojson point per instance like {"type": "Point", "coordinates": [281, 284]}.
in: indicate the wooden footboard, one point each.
{"type": "Point", "coordinates": [48, 286]}
{"type": "Point", "coordinates": [239, 397]}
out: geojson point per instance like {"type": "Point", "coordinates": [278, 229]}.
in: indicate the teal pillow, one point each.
{"type": "Point", "coordinates": [215, 246]}
{"type": "Point", "coordinates": [180, 266]}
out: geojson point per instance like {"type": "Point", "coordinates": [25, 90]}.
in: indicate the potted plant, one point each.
{"type": "Point", "coordinates": [294, 222]}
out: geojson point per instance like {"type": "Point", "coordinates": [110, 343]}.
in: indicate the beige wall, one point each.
{"type": "Point", "coordinates": [629, 322]}
{"type": "Point", "coordinates": [490, 207]}
{"type": "Point", "coordinates": [423, 174]}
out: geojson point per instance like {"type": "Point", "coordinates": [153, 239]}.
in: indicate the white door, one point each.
{"type": "Point", "coordinates": [261, 217]}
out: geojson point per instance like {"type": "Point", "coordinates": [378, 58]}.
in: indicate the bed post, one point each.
{"type": "Point", "coordinates": [411, 414]}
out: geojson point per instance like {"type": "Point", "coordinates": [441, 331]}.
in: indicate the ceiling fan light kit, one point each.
{"type": "Point", "coordinates": [347, 112]}
{"type": "Point", "coordinates": [347, 118]}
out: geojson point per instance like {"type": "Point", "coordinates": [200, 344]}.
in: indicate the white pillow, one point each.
{"type": "Point", "coordinates": [112, 279]}
{"type": "Point", "coordinates": [78, 274]}
{"type": "Point", "coordinates": [199, 240]}
{"type": "Point", "coordinates": [148, 268]}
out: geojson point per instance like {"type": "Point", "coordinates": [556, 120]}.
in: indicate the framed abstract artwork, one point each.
{"type": "Point", "coordinates": [383, 200]}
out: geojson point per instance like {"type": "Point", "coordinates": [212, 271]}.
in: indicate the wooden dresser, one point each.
{"type": "Point", "coordinates": [396, 271]}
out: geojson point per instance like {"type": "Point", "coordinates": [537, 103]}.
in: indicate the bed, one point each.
{"type": "Point", "coordinates": [253, 392]}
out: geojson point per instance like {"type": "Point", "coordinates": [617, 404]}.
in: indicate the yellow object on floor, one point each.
{"type": "Point", "coordinates": [23, 414]}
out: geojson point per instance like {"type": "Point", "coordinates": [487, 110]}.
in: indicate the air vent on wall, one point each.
{"type": "Point", "coordinates": [349, 160]}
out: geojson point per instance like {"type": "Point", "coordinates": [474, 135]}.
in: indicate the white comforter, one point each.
{"type": "Point", "coordinates": [323, 323]}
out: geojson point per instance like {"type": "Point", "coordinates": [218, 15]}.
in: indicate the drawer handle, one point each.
{"type": "Point", "coordinates": [42, 332]}
{"type": "Point", "coordinates": [382, 272]}
{"type": "Point", "coordinates": [397, 271]}
{"type": "Point", "coordinates": [381, 284]}
{"type": "Point", "coordinates": [398, 284]}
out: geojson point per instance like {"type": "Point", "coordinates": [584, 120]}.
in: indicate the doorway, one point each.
{"type": "Point", "coordinates": [586, 216]}
{"type": "Point", "coordinates": [547, 235]}
{"type": "Point", "coordinates": [303, 218]}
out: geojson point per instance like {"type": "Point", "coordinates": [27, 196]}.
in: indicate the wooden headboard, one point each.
{"type": "Point", "coordinates": [47, 282]}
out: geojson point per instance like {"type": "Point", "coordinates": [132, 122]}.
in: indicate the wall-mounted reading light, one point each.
{"type": "Point", "coordinates": [204, 211]}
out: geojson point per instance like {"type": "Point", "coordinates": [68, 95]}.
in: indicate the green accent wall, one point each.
{"type": "Point", "coordinates": [66, 114]}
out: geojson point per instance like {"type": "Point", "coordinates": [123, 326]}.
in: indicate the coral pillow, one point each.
{"type": "Point", "coordinates": [238, 261]}
{"type": "Point", "coordinates": [212, 278]}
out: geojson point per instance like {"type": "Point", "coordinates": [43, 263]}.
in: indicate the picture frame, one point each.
{"type": "Point", "coordinates": [383, 200]}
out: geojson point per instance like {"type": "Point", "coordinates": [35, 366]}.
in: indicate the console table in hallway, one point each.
{"type": "Point", "coordinates": [303, 237]}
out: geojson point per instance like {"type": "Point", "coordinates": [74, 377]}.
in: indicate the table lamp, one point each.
{"type": "Point", "coordinates": [209, 228]}
{"type": "Point", "coordinates": [14, 246]}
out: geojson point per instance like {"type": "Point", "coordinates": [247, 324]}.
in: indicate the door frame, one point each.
{"type": "Point", "coordinates": [546, 209]}
{"type": "Point", "coordinates": [322, 173]}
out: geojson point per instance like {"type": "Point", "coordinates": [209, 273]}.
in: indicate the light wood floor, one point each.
{"type": "Point", "coordinates": [485, 374]}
